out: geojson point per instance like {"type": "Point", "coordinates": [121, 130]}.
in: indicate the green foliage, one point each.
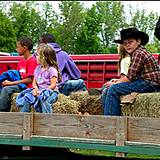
{"type": "Point", "coordinates": [26, 20]}
{"type": "Point", "coordinates": [113, 19]}
{"type": "Point", "coordinates": [50, 18]}
{"type": "Point", "coordinates": [71, 18]}
{"type": "Point", "coordinates": [7, 34]}
{"type": "Point", "coordinates": [88, 40]}
{"type": "Point", "coordinates": [153, 47]}
{"type": "Point", "coordinates": [77, 30]}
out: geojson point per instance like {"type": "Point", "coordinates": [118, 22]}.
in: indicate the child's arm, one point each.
{"type": "Point", "coordinates": [26, 81]}
{"type": "Point", "coordinates": [53, 83]}
{"type": "Point", "coordinates": [35, 91]}
{"type": "Point", "coordinates": [34, 84]}
{"type": "Point", "coordinates": [123, 79]}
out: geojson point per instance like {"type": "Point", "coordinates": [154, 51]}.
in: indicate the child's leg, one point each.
{"type": "Point", "coordinates": [104, 95]}
{"type": "Point", "coordinates": [26, 107]}
{"type": "Point", "coordinates": [73, 86]}
{"type": "Point", "coordinates": [25, 99]}
{"type": "Point", "coordinates": [112, 101]}
{"type": "Point", "coordinates": [47, 104]}
{"type": "Point", "coordinates": [5, 97]}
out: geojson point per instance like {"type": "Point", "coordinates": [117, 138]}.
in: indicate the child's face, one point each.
{"type": "Point", "coordinates": [130, 45]}
{"type": "Point", "coordinates": [38, 58]}
{"type": "Point", "coordinates": [20, 49]}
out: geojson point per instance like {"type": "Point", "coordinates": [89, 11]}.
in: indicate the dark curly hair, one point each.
{"type": "Point", "coordinates": [25, 41]}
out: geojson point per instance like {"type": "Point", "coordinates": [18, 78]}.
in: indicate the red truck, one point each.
{"type": "Point", "coordinates": [95, 69]}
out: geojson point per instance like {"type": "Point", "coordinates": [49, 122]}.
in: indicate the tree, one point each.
{"type": "Point", "coordinates": [26, 20]}
{"type": "Point", "coordinates": [88, 40]}
{"type": "Point", "coordinates": [113, 19]}
{"type": "Point", "coordinates": [70, 20]}
{"type": "Point", "coordinates": [7, 34]}
{"type": "Point", "coordinates": [50, 18]}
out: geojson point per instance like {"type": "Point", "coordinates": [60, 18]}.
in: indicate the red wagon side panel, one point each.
{"type": "Point", "coordinates": [95, 69]}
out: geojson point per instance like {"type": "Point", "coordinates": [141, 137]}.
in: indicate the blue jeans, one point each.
{"type": "Point", "coordinates": [5, 97]}
{"type": "Point", "coordinates": [72, 86]}
{"type": "Point", "coordinates": [104, 95]}
{"type": "Point", "coordinates": [111, 96]}
{"type": "Point", "coordinates": [40, 103]}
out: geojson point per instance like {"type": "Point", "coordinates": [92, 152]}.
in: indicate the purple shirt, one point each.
{"type": "Point", "coordinates": [43, 77]}
{"type": "Point", "coordinates": [67, 67]}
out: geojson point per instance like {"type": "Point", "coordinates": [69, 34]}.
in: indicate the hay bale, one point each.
{"type": "Point", "coordinates": [14, 108]}
{"type": "Point", "coordinates": [88, 103]}
{"type": "Point", "coordinates": [63, 105]}
{"type": "Point", "coordinates": [145, 105]}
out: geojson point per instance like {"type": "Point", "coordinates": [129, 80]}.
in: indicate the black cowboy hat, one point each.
{"type": "Point", "coordinates": [133, 33]}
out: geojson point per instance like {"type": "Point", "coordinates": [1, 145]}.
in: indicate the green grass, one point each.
{"type": "Point", "coordinates": [111, 154]}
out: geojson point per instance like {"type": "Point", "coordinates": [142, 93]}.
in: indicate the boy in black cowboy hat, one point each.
{"type": "Point", "coordinates": [143, 74]}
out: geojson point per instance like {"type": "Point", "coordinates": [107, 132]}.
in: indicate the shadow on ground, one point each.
{"type": "Point", "coordinates": [42, 153]}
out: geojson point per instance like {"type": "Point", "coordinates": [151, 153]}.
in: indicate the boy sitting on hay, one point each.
{"type": "Point", "coordinates": [143, 75]}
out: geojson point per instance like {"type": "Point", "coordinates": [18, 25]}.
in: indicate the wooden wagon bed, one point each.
{"type": "Point", "coordinates": [116, 134]}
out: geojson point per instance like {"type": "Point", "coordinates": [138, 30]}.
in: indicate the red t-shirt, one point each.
{"type": "Point", "coordinates": [26, 68]}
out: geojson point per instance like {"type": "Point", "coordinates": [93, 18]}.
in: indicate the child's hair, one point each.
{"type": "Point", "coordinates": [47, 38]}
{"type": "Point", "coordinates": [48, 55]}
{"type": "Point", "coordinates": [24, 41]}
{"type": "Point", "coordinates": [122, 54]}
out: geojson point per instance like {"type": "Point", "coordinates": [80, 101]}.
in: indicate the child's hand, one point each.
{"type": "Point", "coordinates": [108, 84]}
{"type": "Point", "coordinates": [114, 80]}
{"type": "Point", "coordinates": [6, 83]}
{"type": "Point", "coordinates": [35, 92]}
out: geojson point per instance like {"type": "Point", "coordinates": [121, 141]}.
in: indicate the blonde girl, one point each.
{"type": "Point", "coordinates": [124, 61]}
{"type": "Point", "coordinates": [46, 77]}
{"type": "Point", "coordinates": [123, 66]}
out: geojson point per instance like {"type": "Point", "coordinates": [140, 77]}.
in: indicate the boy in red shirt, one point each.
{"type": "Point", "coordinates": [26, 68]}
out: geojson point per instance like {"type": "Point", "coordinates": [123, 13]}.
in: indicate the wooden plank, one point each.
{"type": "Point", "coordinates": [129, 143]}
{"type": "Point", "coordinates": [80, 126]}
{"type": "Point", "coordinates": [129, 98]}
{"type": "Point", "coordinates": [5, 136]}
{"type": "Point", "coordinates": [121, 134]}
{"type": "Point", "coordinates": [27, 128]}
{"type": "Point", "coordinates": [11, 123]}
{"type": "Point", "coordinates": [132, 134]}
{"type": "Point", "coordinates": [144, 130]}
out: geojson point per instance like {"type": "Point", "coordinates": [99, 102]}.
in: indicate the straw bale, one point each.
{"type": "Point", "coordinates": [14, 108]}
{"type": "Point", "coordinates": [145, 105]}
{"type": "Point", "coordinates": [88, 103]}
{"type": "Point", "coordinates": [65, 105]}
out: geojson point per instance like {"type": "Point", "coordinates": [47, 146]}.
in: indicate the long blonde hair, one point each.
{"type": "Point", "coordinates": [122, 54]}
{"type": "Point", "coordinates": [47, 55]}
